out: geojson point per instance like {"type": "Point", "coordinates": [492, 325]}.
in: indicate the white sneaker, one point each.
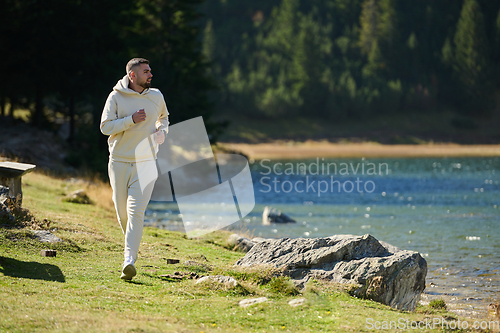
{"type": "Point", "coordinates": [128, 271]}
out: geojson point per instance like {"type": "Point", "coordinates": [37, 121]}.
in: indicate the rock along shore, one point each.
{"type": "Point", "coordinates": [376, 270]}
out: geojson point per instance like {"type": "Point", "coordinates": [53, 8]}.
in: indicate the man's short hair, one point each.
{"type": "Point", "coordinates": [133, 63]}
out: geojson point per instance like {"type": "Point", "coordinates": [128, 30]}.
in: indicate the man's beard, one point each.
{"type": "Point", "coordinates": [145, 84]}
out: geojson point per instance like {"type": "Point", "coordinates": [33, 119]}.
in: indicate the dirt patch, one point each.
{"type": "Point", "coordinates": [23, 143]}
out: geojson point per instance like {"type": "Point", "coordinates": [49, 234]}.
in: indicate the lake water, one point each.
{"type": "Point", "coordinates": [448, 209]}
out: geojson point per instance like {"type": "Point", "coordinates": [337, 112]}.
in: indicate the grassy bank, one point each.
{"type": "Point", "coordinates": [80, 290]}
{"type": "Point", "coordinates": [411, 127]}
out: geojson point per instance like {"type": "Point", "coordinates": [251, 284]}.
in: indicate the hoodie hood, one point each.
{"type": "Point", "coordinates": [122, 87]}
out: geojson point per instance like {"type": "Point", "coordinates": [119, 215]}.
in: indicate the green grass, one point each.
{"type": "Point", "coordinates": [437, 304]}
{"type": "Point", "coordinates": [79, 290]}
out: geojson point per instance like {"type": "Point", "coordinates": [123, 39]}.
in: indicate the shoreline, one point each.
{"type": "Point", "coordinates": [313, 149]}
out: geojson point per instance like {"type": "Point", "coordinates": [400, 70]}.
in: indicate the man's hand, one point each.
{"type": "Point", "coordinates": [139, 116]}
{"type": "Point", "coordinates": [160, 136]}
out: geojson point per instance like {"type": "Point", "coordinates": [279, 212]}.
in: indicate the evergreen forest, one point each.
{"type": "Point", "coordinates": [338, 59]}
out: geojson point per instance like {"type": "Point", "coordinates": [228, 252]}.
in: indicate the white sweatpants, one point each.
{"type": "Point", "coordinates": [130, 201]}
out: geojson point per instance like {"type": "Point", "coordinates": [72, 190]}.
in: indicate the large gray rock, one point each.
{"type": "Point", "coordinates": [376, 270]}
{"type": "Point", "coordinates": [272, 215]}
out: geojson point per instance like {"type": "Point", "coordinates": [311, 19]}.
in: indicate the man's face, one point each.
{"type": "Point", "coordinates": [143, 76]}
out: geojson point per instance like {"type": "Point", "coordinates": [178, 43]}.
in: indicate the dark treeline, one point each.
{"type": "Point", "coordinates": [336, 59]}
{"type": "Point", "coordinates": [61, 58]}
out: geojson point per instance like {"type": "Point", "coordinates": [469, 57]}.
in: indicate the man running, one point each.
{"type": "Point", "coordinates": [133, 112]}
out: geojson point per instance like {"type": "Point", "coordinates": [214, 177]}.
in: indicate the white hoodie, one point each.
{"type": "Point", "coordinates": [125, 135]}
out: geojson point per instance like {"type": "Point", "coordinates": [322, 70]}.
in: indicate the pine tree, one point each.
{"type": "Point", "coordinates": [386, 21]}
{"type": "Point", "coordinates": [208, 47]}
{"type": "Point", "coordinates": [471, 55]}
{"type": "Point", "coordinates": [377, 24]}
{"type": "Point", "coordinates": [368, 23]}
{"type": "Point", "coordinates": [496, 49]}
{"type": "Point", "coordinates": [447, 52]}
{"type": "Point", "coordinates": [497, 31]}
{"type": "Point", "coordinates": [275, 89]}
{"type": "Point", "coordinates": [308, 65]}
{"type": "Point", "coordinates": [376, 36]}
{"type": "Point", "coordinates": [281, 36]}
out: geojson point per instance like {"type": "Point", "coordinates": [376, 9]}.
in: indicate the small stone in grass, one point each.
{"type": "Point", "coordinates": [228, 281]}
{"type": "Point", "coordinates": [251, 301]}
{"type": "Point", "coordinates": [172, 261]}
{"type": "Point", "coordinates": [48, 253]}
{"type": "Point", "coordinates": [297, 302]}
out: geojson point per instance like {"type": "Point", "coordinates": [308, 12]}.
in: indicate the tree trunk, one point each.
{"type": "Point", "coordinates": [13, 102]}
{"type": "Point", "coordinates": [2, 106]}
{"type": "Point", "coordinates": [71, 119]}
{"type": "Point", "coordinates": [38, 115]}
{"type": "Point", "coordinates": [102, 142]}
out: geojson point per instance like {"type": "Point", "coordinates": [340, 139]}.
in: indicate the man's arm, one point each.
{"type": "Point", "coordinates": [162, 121]}
{"type": "Point", "coordinates": [110, 123]}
